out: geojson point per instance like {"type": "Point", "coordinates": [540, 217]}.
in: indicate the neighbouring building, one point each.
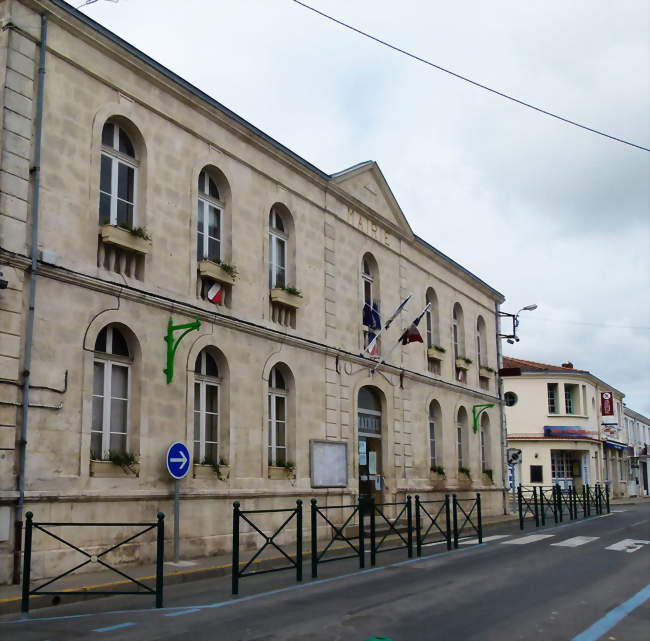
{"type": "Point", "coordinates": [638, 438]}
{"type": "Point", "coordinates": [568, 425]}
{"type": "Point", "coordinates": [156, 206]}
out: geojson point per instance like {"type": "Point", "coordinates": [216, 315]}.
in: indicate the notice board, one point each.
{"type": "Point", "coordinates": [329, 463]}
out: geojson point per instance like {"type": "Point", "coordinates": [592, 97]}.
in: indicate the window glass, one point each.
{"type": "Point", "coordinates": [536, 474]}
{"type": "Point", "coordinates": [108, 134]}
{"type": "Point", "coordinates": [119, 344]}
{"type": "Point", "coordinates": [125, 145]}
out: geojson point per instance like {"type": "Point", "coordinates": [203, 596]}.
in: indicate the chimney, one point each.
{"type": "Point", "coordinates": [568, 365]}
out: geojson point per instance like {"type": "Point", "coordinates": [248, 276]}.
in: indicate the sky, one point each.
{"type": "Point", "coordinates": [544, 212]}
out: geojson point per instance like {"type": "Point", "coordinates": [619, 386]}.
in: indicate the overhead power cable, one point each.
{"type": "Point", "coordinates": [460, 77]}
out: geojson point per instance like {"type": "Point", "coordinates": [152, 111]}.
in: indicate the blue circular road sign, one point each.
{"type": "Point", "coordinates": [178, 460]}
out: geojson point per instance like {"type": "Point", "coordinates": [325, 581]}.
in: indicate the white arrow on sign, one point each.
{"type": "Point", "coordinates": [628, 545]}
{"type": "Point", "coordinates": [182, 460]}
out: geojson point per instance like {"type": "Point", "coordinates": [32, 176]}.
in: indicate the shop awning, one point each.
{"type": "Point", "coordinates": [615, 446]}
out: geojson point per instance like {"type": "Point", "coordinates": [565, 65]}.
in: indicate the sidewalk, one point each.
{"type": "Point", "coordinates": [174, 573]}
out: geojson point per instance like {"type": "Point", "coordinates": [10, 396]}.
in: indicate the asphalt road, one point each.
{"type": "Point", "coordinates": [565, 587]}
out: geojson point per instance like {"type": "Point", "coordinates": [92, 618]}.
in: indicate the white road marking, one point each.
{"type": "Point", "coordinates": [532, 538]}
{"type": "Point", "coordinates": [628, 545]}
{"type": "Point", "coordinates": [576, 541]}
{"type": "Point", "coordinates": [496, 537]}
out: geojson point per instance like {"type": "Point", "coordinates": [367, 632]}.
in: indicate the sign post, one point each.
{"type": "Point", "coordinates": [178, 465]}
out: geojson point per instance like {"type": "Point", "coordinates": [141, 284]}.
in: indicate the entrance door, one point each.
{"type": "Point", "coordinates": [562, 468]}
{"type": "Point", "coordinates": [371, 480]}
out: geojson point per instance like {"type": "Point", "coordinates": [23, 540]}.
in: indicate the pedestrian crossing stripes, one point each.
{"type": "Point", "coordinates": [532, 538]}
{"type": "Point", "coordinates": [628, 545]}
{"type": "Point", "coordinates": [576, 541]}
{"type": "Point", "coordinates": [486, 539]}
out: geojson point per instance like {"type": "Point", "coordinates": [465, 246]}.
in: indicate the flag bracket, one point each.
{"type": "Point", "coordinates": [477, 410]}
{"type": "Point", "coordinates": [172, 345]}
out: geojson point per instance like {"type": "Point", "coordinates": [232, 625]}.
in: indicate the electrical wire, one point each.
{"type": "Point", "coordinates": [473, 82]}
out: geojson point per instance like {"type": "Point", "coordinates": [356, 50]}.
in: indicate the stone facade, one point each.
{"type": "Point", "coordinates": [91, 277]}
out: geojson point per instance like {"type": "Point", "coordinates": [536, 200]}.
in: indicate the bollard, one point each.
{"type": "Point", "coordinates": [448, 521]}
{"type": "Point", "coordinates": [479, 520]}
{"type": "Point", "coordinates": [418, 527]}
{"type": "Point", "coordinates": [235, 547]}
{"type": "Point", "coordinates": [27, 563]}
{"type": "Point", "coordinates": [409, 523]}
{"type": "Point", "coordinates": [160, 558]}
{"type": "Point", "coordinates": [299, 540]}
{"type": "Point", "coordinates": [314, 540]}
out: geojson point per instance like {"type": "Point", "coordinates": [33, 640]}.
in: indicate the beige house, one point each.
{"type": "Point", "coordinates": [568, 425]}
{"type": "Point", "coordinates": [153, 205]}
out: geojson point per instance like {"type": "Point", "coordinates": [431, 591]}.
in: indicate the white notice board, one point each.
{"type": "Point", "coordinates": [329, 463]}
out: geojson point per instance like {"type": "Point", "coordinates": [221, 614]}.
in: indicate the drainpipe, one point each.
{"type": "Point", "coordinates": [29, 328]}
{"type": "Point", "coordinates": [502, 415]}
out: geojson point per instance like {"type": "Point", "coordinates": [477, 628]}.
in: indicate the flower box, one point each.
{"type": "Point", "coordinates": [486, 372]}
{"type": "Point", "coordinates": [106, 469]}
{"type": "Point", "coordinates": [215, 272]}
{"type": "Point", "coordinates": [280, 473]}
{"type": "Point", "coordinates": [124, 239]}
{"type": "Point", "coordinates": [434, 352]}
{"type": "Point", "coordinates": [461, 363]}
{"type": "Point", "coordinates": [285, 298]}
{"type": "Point", "coordinates": [200, 471]}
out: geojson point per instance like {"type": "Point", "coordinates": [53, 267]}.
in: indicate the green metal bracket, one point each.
{"type": "Point", "coordinates": [172, 345]}
{"type": "Point", "coordinates": [476, 414]}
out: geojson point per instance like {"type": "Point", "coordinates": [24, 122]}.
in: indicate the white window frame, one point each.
{"type": "Point", "coordinates": [117, 157]}
{"type": "Point", "coordinates": [433, 460]}
{"type": "Point", "coordinates": [109, 361]}
{"type": "Point", "coordinates": [552, 393]}
{"type": "Point", "coordinates": [484, 466]}
{"type": "Point", "coordinates": [275, 424]}
{"type": "Point", "coordinates": [208, 201]}
{"type": "Point", "coordinates": [204, 381]}
{"type": "Point", "coordinates": [277, 247]}
{"type": "Point", "coordinates": [459, 438]}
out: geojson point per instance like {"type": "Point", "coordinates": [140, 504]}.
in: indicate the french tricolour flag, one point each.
{"type": "Point", "coordinates": [215, 294]}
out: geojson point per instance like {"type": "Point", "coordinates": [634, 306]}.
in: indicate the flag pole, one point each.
{"type": "Point", "coordinates": [387, 324]}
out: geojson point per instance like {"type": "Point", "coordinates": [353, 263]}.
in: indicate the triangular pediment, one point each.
{"type": "Point", "coordinates": [366, 183]}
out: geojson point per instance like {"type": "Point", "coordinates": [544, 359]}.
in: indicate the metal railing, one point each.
{"type": "Point", "coordinates": [159, 526]}
{"type": "Point", "coordinates": [393, 530]}
{"type": "Point", "coordinates": [472, 517]}
{"type": "Point", "coordinates": [242, 515]}
{"type": "Point", "coordinates": [431, 512]}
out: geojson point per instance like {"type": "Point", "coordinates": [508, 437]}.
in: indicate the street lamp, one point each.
{"type": "Point", "coordinates": [513, 338]}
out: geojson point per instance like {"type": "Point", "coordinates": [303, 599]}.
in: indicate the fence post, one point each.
{"type": "Point", "coordinates": [453, 498]}
{"type": "Point", "coordinates": [299, 540]}
{"type": "Point", "coordinates": [541, 505]}
{"type": "Point", "coordinates": [536, 506]}
{"type": "Point", "coordinates": [314, 540]}
{"type": "Point", "coordinates": [559, 501]}
{"type": "Point", "coordinates": [574, 501]}
{"type": "Point", "coordinates": [554, 504]}
{"type": "Point", "coordinates": [409, 523]}
{"type": "Point", "coordinates": [607, 497]}
{"type": "Point", "coordinates": [448, 520]}
{"type": "Point", "coordinates": [27, 563]}
{"type": "Point", "coordinates": [418, 527]}
{"type": "Point", "coordinates": [586, 499]}
{"type": "Point", "coordinates": [160, 558]}
{"type": "Point", "coordinates": [599, 506]}
{"type": "Point", "coordinates": [235, 547]}
{"type": "Point", "coordinates": [362, 537]}
{"type": "Point", "coordinates": [479, 519]}
{"type": "Point", "coordinates": [585, 510]}
{"type": "Point", "coordinates": [373, 552]}
{"type": "Point", "coordinates": [521, 515]}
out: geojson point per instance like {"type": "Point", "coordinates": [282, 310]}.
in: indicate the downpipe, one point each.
{"type": "Point", "coordinates": [29, 327]}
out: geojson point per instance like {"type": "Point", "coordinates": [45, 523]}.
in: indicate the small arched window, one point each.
{"type": "Point", "coordinates": [433, 322]}
{"type": "Point", "coordinates": [435, 432]}
{"type": "Point", "coordinates": [209, 219]}
{"type": "Point", "coordinates": [461, 429]}
{"type": "Point", "coordinates": [206, 409]}
{"type": "Point", "coordinates": [458, 331]}
{"type": "Point", "coordinates": [110, 398]}
{"type": "Point", "coordinates": [118, 175]}
{"type": "Point", "coordinates": [277, 418]}
{"type": "Point", "coordinates": [481, 342]}
{"type": "Point", "coordinates": [278, 238]}
{"type": "Point", "coordinates": [485, 443]}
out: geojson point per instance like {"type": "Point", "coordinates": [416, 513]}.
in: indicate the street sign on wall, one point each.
{"type": "Point", "coordinates": [178, 460]}
{"type": "Point", "coordinates": [607, 404]}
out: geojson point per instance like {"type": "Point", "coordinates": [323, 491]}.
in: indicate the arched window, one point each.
{"type": "Point", "coordinates": [118, 175]}
{"type": "Point", "coordinates": [278, 239]}
{"type": "Point", "coordinates": [461, 429]}
{"type": "Point", "coordinates": [369, 411]}
{"type": "Point", "coordinates": [277, 417]}
{"type": "Point", "coordinates": [206, 409]}
{"type": "Point", "coordinates": [110, 398]}
{"type": "Point", "coordinates": [370, 313]}
{"type": "Point", "coordinates": [458, 331]}
{"type": "Point", "coordinates": [209, 218]}
{"type": "Point", "coordinates": [433, 323]}
{"type": "Point", "coordinates": [435, 432]}
{"type": "Point", "coordinates": [485, 443]}
{"type": "Point", "coordinates": [481, 342]}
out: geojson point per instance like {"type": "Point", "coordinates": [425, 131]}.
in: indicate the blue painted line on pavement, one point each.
{"type": "Point", "coordinates": [178, 614]}
{"type": "Point", "coordinates": [602, 626]}
{"type": "Point", "coordinates": [114, 627]}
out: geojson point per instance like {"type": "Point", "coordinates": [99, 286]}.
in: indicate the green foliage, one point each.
{"type": "Point", "coordinates": [290, 289]}
{"type": "Point", "coordinates": [488, 473]}
{"type": "Point", "coordinates": [465, 471]}
{"type": "Point", "coordinates": [289, 468]}
{"type": "Point", "coordinates": [231, 270]}
{"type": "Point", "coordinates": [438, 469]}
{"type": "Point", "coordinates": [217, 467]}
{"type": "Point", "coordinates": [139, 232]}
{"type": "Point", "coordinates": [126, 460]}
{"type": "Point", "coordinates": [439, 348]}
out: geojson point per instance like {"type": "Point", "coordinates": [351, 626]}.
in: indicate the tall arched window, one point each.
{"type": "Point", "coordinates": [485, 443]}
{"type": "Point", "coordinates": [461, 431]}
{"type": "Point", "coordinates": [458, 331]}
{"type": "Point", "coordinates": [433, 324]}
{"type": "Point", "coordinates": [209, 218]}
{"type": "Point", "coordinates": [277, 417]}
{"type": "Point", "coordinates": [278, 239]}
{"type": "Point", "coordinates": [110, 399]}
{"type": "Point", "coordinates": [481, 342]}
{"type": "Point", "coordinates": [370, 291]}
{"type": "Point", "coordinates": [118, 175]}
{"type": "Point", "coordinates": [435, 433]}
{"type": "Point", "coordinates": [206, 409]}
